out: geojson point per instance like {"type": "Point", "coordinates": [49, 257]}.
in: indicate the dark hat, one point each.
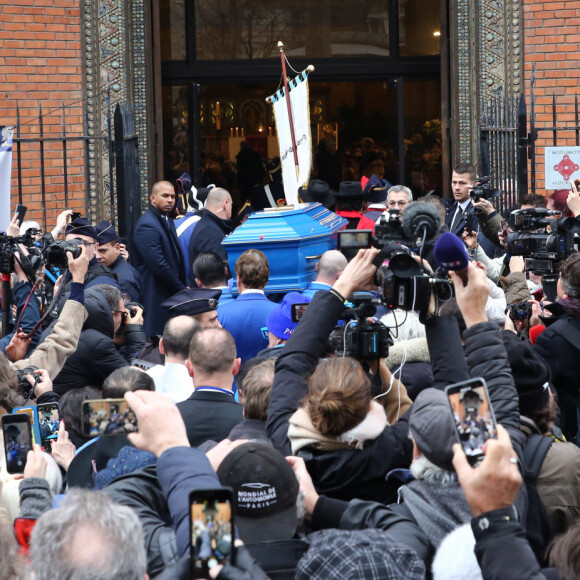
{"type": "Point", "coordinates": [318, 192]}
{"type": "Point", "coordinates": [358, 555]}
{"type": "Point", "coordinates": [531, 376]}
{"type": "Point", "coordinates": [106, 232]}
{"type": "Point", "coordinates": [350, 190]}
{"type": "Point", "coordinates": [192, 301]}
{"type": "Point", "coordinates": [265, 492]}
{"type": "Point", "coordinates": [196, 197]}
{"type": "Point", "coordinates": [433, 427]}
{"type": "Point", "coordinates": [279, 321]}
{"type": "Point", "coordinates": [83, 227]}
{"type": "Point", "coordinates": [376, 189]}
{"type": "Point", "coordinates": [184, 182]}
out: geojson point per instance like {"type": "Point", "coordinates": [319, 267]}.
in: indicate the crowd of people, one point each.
{"type": "Point", "coordinates": [315, 464]}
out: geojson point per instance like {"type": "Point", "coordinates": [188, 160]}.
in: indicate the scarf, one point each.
{"type": "Point", "coordinates": [302, 433]}
{"type": "Point", "coordinates": [437, 508]}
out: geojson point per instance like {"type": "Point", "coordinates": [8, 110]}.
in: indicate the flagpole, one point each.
{"type": "Point", "coordinates": [290, 119]}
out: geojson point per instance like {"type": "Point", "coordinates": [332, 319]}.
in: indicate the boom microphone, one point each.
{"type": "Point", "coordinates": [450, 253]}
{"type": "Point", "coordinates": [421, 219]}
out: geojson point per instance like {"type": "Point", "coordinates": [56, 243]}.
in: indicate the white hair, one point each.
{"type": "Point", "coordinates": [403, 188]}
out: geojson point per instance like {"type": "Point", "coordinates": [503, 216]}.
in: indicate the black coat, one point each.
{"type": "Point", "coordinates": [209, 415]}
{"type": "Point", "coordinates": [562, 358]}
{"type": "Point", "coordinates": [159, 261]}
{"type": "Point", "coordinates": [142, 492]}
{"type": "Point", "coordinates": [129, 279]}
{"type": "Point", "coordinates": [96, 356]}
{"type": "Point", "coordinates": [345, 473]}
{"type": "Point", "coordinates": [207, 237]}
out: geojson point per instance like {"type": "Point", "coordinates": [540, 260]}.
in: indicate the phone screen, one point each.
{"type": "Point", "coordinates": [17, 441]}
{"type": "Point", "coordinates": [354, 239]}
{"type": "Point", "coordinates": [108, 417]}
{"type": "Point", "coordinates": [48, 423]}
{"type": "Point", "coordinates": [212, 531]}
{"type": "Point", "coordinates": [298, 311]}
{"type": "Point", "coordinates": [473, 415]}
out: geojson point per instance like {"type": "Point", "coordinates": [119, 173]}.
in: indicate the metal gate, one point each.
{"type": "Point", "coordinates": [121, 143]}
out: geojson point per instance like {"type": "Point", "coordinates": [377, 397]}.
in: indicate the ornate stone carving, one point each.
{"type": "Point", "coordinates": [486, 62]}
{"type": "Point", "coordinates": [114, 41]}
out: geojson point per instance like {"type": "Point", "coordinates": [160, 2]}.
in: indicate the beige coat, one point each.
{"type": "Point", "coordinates": [52, 353]}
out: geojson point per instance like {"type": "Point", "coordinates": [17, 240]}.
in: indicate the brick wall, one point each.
{"type": "Point", "coordinates": [40, 65]}
{"type": "Point", "coordinates": [552, 44]}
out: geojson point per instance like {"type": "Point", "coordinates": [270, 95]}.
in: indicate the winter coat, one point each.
{"type": "Point", "coordinates": [563, 358]}
{"type": "Point", "coordinates": [558, 480]}
{"type": "Point", "coordinates": [52, 353]}
{"type": "Point", "coordinates": [96, 356]}
{"type": "Point", "coordinates": [141, 491]}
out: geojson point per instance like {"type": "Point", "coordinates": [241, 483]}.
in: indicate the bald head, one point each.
{"type": "Point", "coordinates": [212, 351]}
{"type": "Point", "coordinates": [330, 267]}
{"type": "Point", "coordinates": [177, 335]}
{"type": "Point", "coordinates": [162, 196]}
{"type": "Point", "coordinates": [219, 202]}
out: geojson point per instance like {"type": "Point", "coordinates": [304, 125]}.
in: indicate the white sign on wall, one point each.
{"type": "Point", "coordinates": [562, 164]}
{"type": "Point", "coordinates": [5, 175]}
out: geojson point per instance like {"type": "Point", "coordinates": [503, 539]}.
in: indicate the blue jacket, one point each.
{"type": "Point", "coordinates": [184, 227]}
{"type": "Point", "coordinates": [30, 315]}
{"type": "Point", "coordinates": [315, 287]}
{"type": "Point", "coordinates": [129, 278]}
{"type": "Point", "coordinates": [181, 470]}
{"type": "Point", "coordinates": [244, 319]}
{"type": "Point", "coordinates": [159, 261]}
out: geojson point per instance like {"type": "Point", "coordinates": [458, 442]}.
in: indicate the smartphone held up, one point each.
{"type": "Point", "coordinates": [17, 441]}
{"type": "Point", "coordinates": [473, 416]}
{"type": "Point", "coordinates": [212, 530]}
{"type": "Point", "coordinates": [108, 417]}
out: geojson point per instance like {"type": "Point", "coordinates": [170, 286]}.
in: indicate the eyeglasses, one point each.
{"type": "Point", "coordinates": [88, 244]}
{"type": "Point", "coordinates": [400, 203]}
{"type": "Point", "coordinates": [265, 332]}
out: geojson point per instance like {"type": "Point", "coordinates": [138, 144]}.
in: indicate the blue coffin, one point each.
{"type": "Point", "coordinates": [292, 239]}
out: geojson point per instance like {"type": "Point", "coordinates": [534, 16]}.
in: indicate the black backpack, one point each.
{"type": "Point", "coordinates": [538, 529]}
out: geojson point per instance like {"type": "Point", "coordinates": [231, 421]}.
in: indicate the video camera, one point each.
{"type": "Point", "coordinates": [543, 247]}
{"type": "Point", "coordinates": [360, 338]}
{"type": "Point", "coordinates": [403, 282]}
{"type": "Point", "coordinates": [482, 189]}
{"type": "Point", "coordinates": [544, 243]}
{"type": "Point", "coordinates": [10, 250]}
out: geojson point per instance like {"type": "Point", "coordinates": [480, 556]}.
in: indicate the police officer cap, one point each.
{"type": "Point", "coordinates": [106, 232]}
{"type": "Point", "coordinates": [192, 301]}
